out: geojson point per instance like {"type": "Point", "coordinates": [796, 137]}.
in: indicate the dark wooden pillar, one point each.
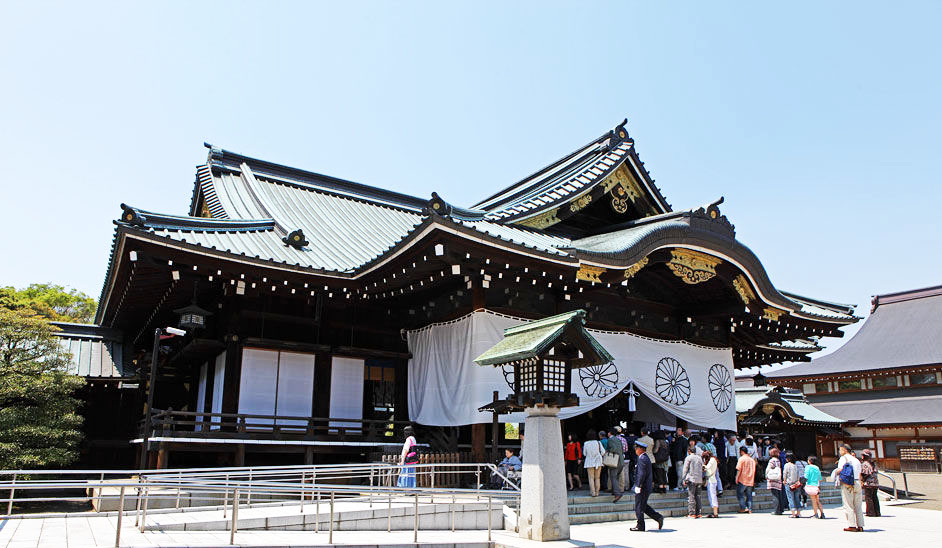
{"type": "Point", "coordinates": [478, 431]}
{"type": "Point", "coordinates": [495, 424]}
{"type": "Point", "coordinates": [478, 438]}
{"type": "Point", "coordinates": [308, 455]}
{"type": "Point", "coordinates": [239, 455]}
{"type": "Point", "coordinates": [477, 296]}
{"type": "Point", "coordinates": [322, 371]}
{"type": "Point", "coordinates": [163, 456]}
{"type": "Point", "coordinates": [233, 375]}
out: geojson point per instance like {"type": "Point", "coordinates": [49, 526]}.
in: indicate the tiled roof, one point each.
{"type": "Point", "coordinates": [532, 339]}
{"type": "Point", "coordinates": [95, 352]}
{"type": "Point", "coordinates": [568, 178]}
{"type": "Point", "coordinates": [901, 332]}
{"type": "Point", "coordinates": [748, 398]}
{"type": "Point", "coordinates": [899, 409]}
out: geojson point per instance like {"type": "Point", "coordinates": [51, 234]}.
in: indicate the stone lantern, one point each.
{"type": "Point", "coordinates": [543, 354]}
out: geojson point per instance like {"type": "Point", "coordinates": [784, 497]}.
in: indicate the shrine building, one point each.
{"type": "Point", "coordinates": [323, 315]}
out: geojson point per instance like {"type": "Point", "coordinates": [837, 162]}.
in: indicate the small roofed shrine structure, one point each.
{"type": "Point", "coordinates": [786, 415]}
{"type": "Point", "coordinates": [333, 302]}
{"type": "Point", "coordinates": [886, 380]}
{"type": "Point", "coordinates": [542, 355]}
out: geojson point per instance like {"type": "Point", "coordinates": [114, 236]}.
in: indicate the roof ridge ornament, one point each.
{"type": "Point", "coordinates": [618, 135]}
{"type": "Point", "coordinates": [132, 216]}
{"type": "Point", "coordinates": [295, 239]}
{"type": "Point", "coordinates": [712, 213]}
{"type": "Point", "coordinates": [438, 206]}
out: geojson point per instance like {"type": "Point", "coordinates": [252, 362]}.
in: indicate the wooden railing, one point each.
{"type": "Point", "coordinates": [433, 477]}
{"type": "Point", "coordinates": [170, 423]}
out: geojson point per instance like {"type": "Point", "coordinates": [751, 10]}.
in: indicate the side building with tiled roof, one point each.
{"type": "Point", "coordinates": [887, 379]}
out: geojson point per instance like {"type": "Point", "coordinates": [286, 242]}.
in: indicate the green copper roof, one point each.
{"type": "Point", "coordinates": [532, 339]}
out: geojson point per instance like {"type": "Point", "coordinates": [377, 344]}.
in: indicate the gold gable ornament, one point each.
{"type": "Point", "coordinates": [588, 273]}
{"type": "Point", "coordinates": [741, 285]}
{"type": "Point", "coordinates": [580, 203]}
{"type": "Point", "coordinates": [771, 313]}
{"type": "Point", "coordinates": [635, 268]}
{"type": "Point", "coordinates": [693, 267]}
{"type": "Point", "coordinates": [543, 220]}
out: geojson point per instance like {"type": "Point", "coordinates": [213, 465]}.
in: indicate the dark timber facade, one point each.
{"type": "Point", "coordinates": [318, 276]}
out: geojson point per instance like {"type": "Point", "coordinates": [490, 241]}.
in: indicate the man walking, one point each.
{"type": "Point", "coordinates": [693, 479]}
{"type": "Point", "coordinates": [678, 454]}
{"type": "Point", "coordinates": [616, 476]}
{"type": "Point", "coordinates": [644, 484]}
{"type": "Point", "coordinates": [745, 480]}
{"type": "Point", "coordinates": [851, 488]}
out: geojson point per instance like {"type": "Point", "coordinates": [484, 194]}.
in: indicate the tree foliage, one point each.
{"type": "Point", "coordinates": [52, 301]}
{"type": "Point", "coordinates": [39, 419]}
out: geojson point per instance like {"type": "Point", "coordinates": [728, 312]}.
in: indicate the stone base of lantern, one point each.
{"type": "Point", "coordinates": [544, 514]}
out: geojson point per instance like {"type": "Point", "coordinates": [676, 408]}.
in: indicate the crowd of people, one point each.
{"type": "Point", "coordinates": [650, 462]}
{"type": "Point", "coordinates": [706, 462]}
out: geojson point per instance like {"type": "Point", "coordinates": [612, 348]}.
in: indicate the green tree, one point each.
{"type": "Point", "coordinates": [52, 301]}
{"type": "Point", "coordinates": [39, 419]}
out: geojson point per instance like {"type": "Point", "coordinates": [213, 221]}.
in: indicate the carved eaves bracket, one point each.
{"type": "Point", "coordinates": [692, 266]}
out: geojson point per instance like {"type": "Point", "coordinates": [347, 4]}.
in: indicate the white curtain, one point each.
{"type": "Point", "coordinates": [219, 375]}
{"type": "Point", "coordinates": [346, 391]}
{"type": "Point", "coordinates": [258, 384]}
{"type": "Point", "coordinates": [446, 387]}
{"type": "Point", "coordinates": [295, 386]}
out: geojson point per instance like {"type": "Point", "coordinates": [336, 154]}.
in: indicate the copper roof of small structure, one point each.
{"type": "Point", "coordinates": [95, 352]}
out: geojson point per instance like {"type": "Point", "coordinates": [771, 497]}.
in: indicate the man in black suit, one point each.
{"type": "Point", "coordinates": [644, 484]}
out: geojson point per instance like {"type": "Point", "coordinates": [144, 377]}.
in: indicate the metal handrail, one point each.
{"type": "Point", "coordinates": [889, 477]}
{"type": "Point", "coordinates": [280, 483]}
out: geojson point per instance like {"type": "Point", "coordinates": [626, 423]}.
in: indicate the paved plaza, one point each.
{"type": "Point", "coordinates": [900, 524]}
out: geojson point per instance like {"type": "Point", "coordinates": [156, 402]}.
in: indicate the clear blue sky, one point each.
{"type": "Point", "coordinates": [819, 122]}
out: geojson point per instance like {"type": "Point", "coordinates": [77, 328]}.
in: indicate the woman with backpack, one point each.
{"type": "Point", "coordinates": [592, 453]}
{"type": "Point", "coordinates": [773, 477]}
{"type": "Point", "coordinates": [408, 458]}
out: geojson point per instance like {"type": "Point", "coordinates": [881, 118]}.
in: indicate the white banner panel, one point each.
{"type": "Point", "coordinates": [446, 387]}
{"type": "Point", "coordinates": [295, 386]}
{"type": "Point", "coordinates": [346, 390]}
{"type": "Point", "coordinates": [258, 383]}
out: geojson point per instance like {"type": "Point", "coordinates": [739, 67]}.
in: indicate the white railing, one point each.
{"type": "Point", "coordinates": [314, 484]}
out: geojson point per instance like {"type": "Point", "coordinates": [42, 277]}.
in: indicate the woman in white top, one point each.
{"type": "Point", "coordinates": [592, 453]}
{"type": "Point", "coordinates": [709, 472]}
{"type": "Point", "coordinates": [408, 458]}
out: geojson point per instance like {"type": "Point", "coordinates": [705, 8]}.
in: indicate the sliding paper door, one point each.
{"type": "Point", "coordinates": [346, 391]}
{"type": "Point", "coordinates": [295, 387]}
{"type": "Point", "coordinates": [257, 387]}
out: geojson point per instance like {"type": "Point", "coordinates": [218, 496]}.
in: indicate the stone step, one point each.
{"type": "Point", "coordinates": [629, 515]}
{"type": "Point", "coordinates": [585, 499]}
{"type": "Point", "coordinates": [725, 506]}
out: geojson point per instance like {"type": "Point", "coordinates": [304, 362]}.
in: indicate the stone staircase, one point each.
{"type": "Point", "coordinates": [587, 509]}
